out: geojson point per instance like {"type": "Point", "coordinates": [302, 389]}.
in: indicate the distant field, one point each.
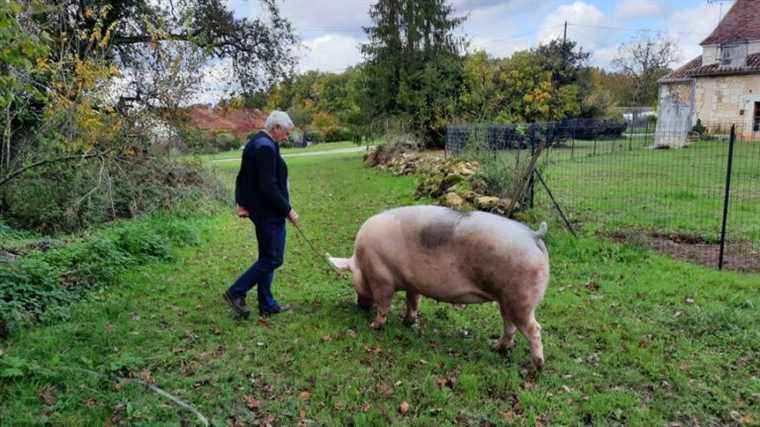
{"type": "Point", "coordinates": [624, 184]}
{"type": "Point", "coordinates": [327, 146]}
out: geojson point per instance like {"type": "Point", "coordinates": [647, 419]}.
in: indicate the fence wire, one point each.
{"type": "Point", "coordinates": [627, 181]}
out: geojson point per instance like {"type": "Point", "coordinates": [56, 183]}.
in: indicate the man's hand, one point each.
{"type": "Point", "coordinates": [293, 217]}
{"type": "Point", "coordinates": [242, 212]}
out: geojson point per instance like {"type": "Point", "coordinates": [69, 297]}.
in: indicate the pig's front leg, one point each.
{"type": "Point", "coordinates": [383, 296]}
{"type": "Point", "coordinates": [412, 307]}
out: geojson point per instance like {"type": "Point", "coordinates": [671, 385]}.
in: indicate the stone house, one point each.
{"type": "Point", "coordinates": [721, 87]}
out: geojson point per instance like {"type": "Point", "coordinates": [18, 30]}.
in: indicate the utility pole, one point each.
{"type": "Point", "coordinates": [564, 37]}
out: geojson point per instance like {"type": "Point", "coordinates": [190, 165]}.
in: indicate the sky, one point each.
{"type": "Point", "coordinates": [331, 30]}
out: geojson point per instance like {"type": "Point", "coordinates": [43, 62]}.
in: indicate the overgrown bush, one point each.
{"type": "Point", "coordinates": [42, 284]}
{"type": "Point", "coordinates": [394, 144]}
{"type": "Point", "coordinates": [502, 173]}
{"type": "Point", "coordinates": [64, 198]}
{"type": "Point", "coordinates": [226, 141]}
{"type": "Point", "coordinates": [314, 136]}
{"type": "Point", "coordinates": [598, 129]}
{"type": "Point", "coordinates": [338, 134]}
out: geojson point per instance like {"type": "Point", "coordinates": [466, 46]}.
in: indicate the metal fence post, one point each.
{"type": "Point", "coordinates": [531, 183]}
{"type": "Point", "coordinates": [727, 198]}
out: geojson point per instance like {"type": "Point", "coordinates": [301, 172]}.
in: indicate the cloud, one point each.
{"type": "Point", "coordinates": [499, 48]}
{"type": "Point", "coordinates": [345, 15]}
{"type": "Point", "coordinates": [582, 16]}
{"type": "Point", "coordinates": [330, 52]}
{"type": "Point", "coordinates": [689, 27]}
{"type": "Point", "coordinates": [635, 9]}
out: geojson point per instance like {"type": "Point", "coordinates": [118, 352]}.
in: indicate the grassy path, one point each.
{"type": "Point", "coordinates": [323, 147]}
{"type": "Point", "coordinates": [630, 338]}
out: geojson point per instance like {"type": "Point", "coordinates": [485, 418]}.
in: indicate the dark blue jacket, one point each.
{"type": "Point", "coordinates": [261, 186]}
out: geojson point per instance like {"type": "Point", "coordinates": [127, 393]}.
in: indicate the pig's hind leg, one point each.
{"type": "Point", "coordinates": [532, 331]}
{"type": "Point", "coordinates": [412, 307]}
{"type": "Point", "coordinates": [507, 340]}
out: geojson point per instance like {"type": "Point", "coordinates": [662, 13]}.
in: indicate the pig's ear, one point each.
{"type": "Point", "coordinates": [340, 263]}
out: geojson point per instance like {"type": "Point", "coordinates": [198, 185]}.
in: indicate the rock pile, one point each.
{"type": "Point", "coordinates": [452, 182]}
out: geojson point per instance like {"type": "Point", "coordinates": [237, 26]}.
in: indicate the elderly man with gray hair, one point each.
{"type": "Point", "coordinates": [261, 194]}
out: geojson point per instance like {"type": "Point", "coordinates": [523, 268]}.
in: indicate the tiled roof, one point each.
{"type": "Point", "coordinates": [741, 23]}
{"type": "Point", "coordinates": [695, 69]}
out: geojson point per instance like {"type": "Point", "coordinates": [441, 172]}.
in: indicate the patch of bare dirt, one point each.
{"type": "Point", "coordinates": [739, 256]}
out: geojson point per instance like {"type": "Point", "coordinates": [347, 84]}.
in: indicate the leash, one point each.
{"type": "Point", "coordinates": [313, 248]}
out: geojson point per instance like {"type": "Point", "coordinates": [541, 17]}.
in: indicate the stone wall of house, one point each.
{"type": "Point", "coordinates": [711, 54]}
{"type": "Point", "coordinates": [675, 113]}
{"type": "Point", "coordinates": [722, 101]}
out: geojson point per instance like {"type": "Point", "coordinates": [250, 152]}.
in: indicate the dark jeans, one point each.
{"type": "Point", "coordinates": [270, 234]}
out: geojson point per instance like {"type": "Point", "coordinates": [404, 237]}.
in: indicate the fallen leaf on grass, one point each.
{"type": "Point", "coordinates": [449, 382]}
{"type": "Point", "coordinates": [147, 377]}
{"type": "Point", "coordinates": [252, 404]}
{"type": "Point", "coordinates": [305, 395]}
{"type": "Point", "coordinates": [117, 414]}
{"type": "Point", "coordinates": [508, 416]}
{"type": "Point", "coordinates": [47, 395]}
{"type": "Point", "coordinates": [404, 408]}
{"type": "Point", "coordinates": [121, 384]}
{"type": "Point", "coordinates": [365, 406]}
{"type": "Point", "coordinates": [384, 389]}
{"type": "Point", "coordinates": [91, 402]}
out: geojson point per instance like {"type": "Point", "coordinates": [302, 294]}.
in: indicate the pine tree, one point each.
{"type": "Point", "coordinates": [414, 64]}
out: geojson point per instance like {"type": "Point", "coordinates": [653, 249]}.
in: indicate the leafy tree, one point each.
{"type": "Point", "coordinates": [567, 63]}
{"type": "Point", "coordinates": [645, 60]}
{"type": "Point", "coordinates": [413, 64]}
{"type": "Point", "coordinates": [527, 94]}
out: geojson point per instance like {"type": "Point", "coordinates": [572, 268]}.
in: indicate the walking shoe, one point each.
{"type": "Point", "coordinates": [237, 304]}
{"type": "Point", "coordinates": [276, 310]}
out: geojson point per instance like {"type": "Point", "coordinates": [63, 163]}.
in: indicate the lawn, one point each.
{"type": "Point", "coordinates": [622, 184]}
{"type": "Point", "coordinates": [631, 337]}
{"type": "Point", "coordinates": [328, 146]}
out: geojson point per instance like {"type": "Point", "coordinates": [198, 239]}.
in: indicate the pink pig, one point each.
{"type": "Point", "coordinates": [455, 257]}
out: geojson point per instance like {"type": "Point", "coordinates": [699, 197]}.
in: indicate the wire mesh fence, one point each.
{"type": "Point", "coordinates": [628, 182]}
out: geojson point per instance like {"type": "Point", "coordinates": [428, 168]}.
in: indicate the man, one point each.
{"type": "Point", "coordinates": [261, 194]}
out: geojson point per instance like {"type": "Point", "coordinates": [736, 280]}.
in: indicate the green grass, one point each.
{"type": "Point", "coordinates": [623, 184]}
{"type": "Point", "coordinates": [328, 146]}
{"type": "Point", "coordinates": [631, 337]}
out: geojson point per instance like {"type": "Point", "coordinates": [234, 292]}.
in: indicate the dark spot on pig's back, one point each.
{"type": "Point", "coordinates": [440, 230]}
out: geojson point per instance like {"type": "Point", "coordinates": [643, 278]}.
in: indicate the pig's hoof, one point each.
{"type": "Point", "coordinates": [410, 321]}
{"type": "Point", "coordinates": [538, 362]}
{"type": "Point", "coordinates": [503, 347]}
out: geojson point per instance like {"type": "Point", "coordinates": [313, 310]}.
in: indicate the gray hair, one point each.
{"type": "Point", "coordinates": [278, 118]}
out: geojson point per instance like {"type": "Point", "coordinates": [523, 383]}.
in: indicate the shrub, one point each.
{"type": "Point", "coordinates": [338, 134]}
{"type": "Point", "coordinates": [60, 198]}
{"type": "Point", "coordinates": [42, 284]}
{"type": "Point", "coordinates": [699, 128]}
{"type": "Point", "coordinates": [314, 136]}
{"type": "Point", "coordinates": [598, 129]}
{"type": "Point", "coordinates": [226, 141]}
